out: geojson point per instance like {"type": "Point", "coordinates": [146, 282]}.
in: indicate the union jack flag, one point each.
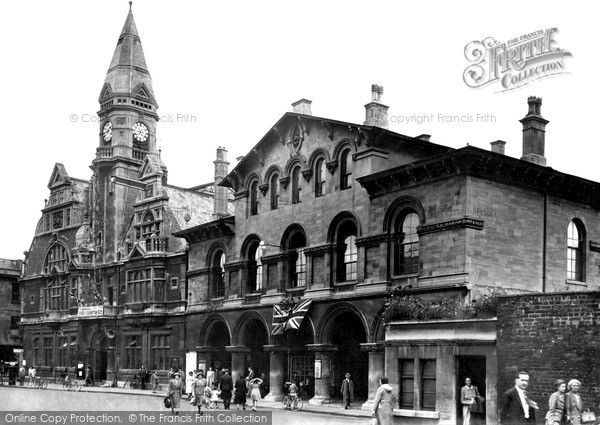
{"type": "Point", "coordinates": [297, 314]}
{"type": "Point", "coordinates": [280, 317]}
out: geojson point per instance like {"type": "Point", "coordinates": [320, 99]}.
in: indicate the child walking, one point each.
{"type": "Point", "coordinates": [255, 392]}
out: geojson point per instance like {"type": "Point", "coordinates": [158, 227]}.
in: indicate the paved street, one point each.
{"type": "Point", "coordinates": [56, 399]}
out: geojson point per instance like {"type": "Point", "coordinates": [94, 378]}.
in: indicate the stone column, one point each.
{"type": "Point", "coordinates": [276, 372]}
{"type": "Point", "coordinates": [323, 355]}
{"type": "Point", "coordinates": [376, 370]}
{"type": "Point", "coordinates": [238, 360]}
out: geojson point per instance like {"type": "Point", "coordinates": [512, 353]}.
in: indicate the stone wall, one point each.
{"type": "Point", "coordinates": [550, 336]}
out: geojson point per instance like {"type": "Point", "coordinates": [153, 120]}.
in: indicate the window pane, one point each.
{"type": "Point", "coordinates": [407, 384]}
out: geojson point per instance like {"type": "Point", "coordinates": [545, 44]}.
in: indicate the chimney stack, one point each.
{"type": "Point", "coordinates": [376, 111]}
{"type": "Point", "coordinates": [534, 132]}
{"type": "Point", "coordinates": [498, 146]}
{"type": "Point", "coordinates": [221, 170]}
{"type": "Point", "coordinates": [302, 107]}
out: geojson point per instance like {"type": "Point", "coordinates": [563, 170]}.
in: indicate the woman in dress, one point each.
{"type": "Point", "coordinates": [573, 404]}
{"type": "Point", "coordinates": [198, 392]}
{"type": "Point", "coordinates": [189, 382]}
{"type": "Point", "coordinates": [239, 395]}
{"type": "Point", "coordinates": [174, 391]}
{"type": "Point", "coordinates": [255, 392]}
{"type": "Point", "coordinates": [383, 404]}
{"type": "Point", "coordinates": [556, 404]}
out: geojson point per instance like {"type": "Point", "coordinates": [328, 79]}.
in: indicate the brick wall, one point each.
{"type": "Point", "coordinates": [550, 336]}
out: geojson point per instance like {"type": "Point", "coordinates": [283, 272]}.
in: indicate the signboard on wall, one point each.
{"type": "Point", "coordinates": [90, 311]}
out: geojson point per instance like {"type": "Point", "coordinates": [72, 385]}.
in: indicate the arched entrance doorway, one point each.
{"type": "Point", "coordinates": [217, 337]}
{"type": "Point", "coordinates": [254, 336]}
{"type": "Point", "coordinates": [347, 332]}
{"type": "Point", "coordinates": [300, 367]}
{"type": "Point", "coordinates": [98, 356]}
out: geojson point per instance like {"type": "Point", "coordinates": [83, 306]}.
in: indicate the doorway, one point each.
{"type": "Point", "coordinates": [473, 367]}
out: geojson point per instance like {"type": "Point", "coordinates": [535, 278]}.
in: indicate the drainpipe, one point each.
{"type": "Point", "coordinates": [544, 244]}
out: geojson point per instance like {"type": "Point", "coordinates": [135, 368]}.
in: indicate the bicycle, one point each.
{"type": "Point", "coordinates": [40, 383]}
{"type": "Point", "coordinates": [132, 381]}
{"type": "Point", "coordinates": [293, 402]}
{"type": "Point", "coordinates": [72, 384]}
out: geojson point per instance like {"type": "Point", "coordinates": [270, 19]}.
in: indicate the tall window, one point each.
{"type": "Point", "coordinates": [254, 198]}
{"type": "Point", "coordinates": [346, 169]}
{"type": "Point", "coordinates": [219, 274]}
{"type": "Point", "coordinates": [347, 254]}
{"type": "Point", "coordinates": [15, 296]}
{"type": "Point", "coordinates": [406, 252]}
{"type": "Point", "coordinates": [259, 269]}
{"type": "Point", "coordinates": [297, 260]}
{"type": "Point", "coordinates": [255, 268]}
{"type": "Point", "coordinates": [425, 381]}
{"type": "Point", "coordinates": [274, 186]}
{"type": "Point", "coordinates": [36, 351]}
{"type": "Point", "coordinates": [56, 294]}
{"type": "Point", "coordinates": [320, 177]}
{"type": "Point", "coordinates": [139, 285]}
{"type": "Point", "coordinates": [575, 251]}
{"type": "Point", "coordinates": [57, 257]}
{"type": "Point", "coordinates": [160, 352]}
{"type": "Point", "coordinates": [300, 280]}
{"type": "Point", "coordinates": [296, 185]}
{"type": "Point", "coordinates": [133, 351]}
{"type": "Point", "coordinates": [48, 351]}
{"type": "Point", "coordinates": [63, 349]}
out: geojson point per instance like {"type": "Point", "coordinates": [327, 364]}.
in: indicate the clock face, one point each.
{"type": "Point", "coordinates": [107, 131]}
{"type": "Point", "coordinates": [140, 132]}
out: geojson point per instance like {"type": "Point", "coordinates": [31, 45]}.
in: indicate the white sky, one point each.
{"type": "Point", "coordinates": [236, 67]}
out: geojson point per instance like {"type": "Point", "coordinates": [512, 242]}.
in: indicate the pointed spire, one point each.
{"type": "Point", "coordinates": [128, 69]}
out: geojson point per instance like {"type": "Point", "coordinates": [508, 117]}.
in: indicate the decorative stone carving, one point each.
{"type": "Point", "coordinates": [465, 222]}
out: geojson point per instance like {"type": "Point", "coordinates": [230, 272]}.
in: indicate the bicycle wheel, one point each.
{"type": "Point", "coordinates": [297, 404]}
{"type": "Point", "coordinates": [76, 386]}
{"type": "Point", "coordinates": [44, 384]}
{"type": "Point", "coordinates": [285, 402]}
{"type": "Point", "coordinates": [125, 383]}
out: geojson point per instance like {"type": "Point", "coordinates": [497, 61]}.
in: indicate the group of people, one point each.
{"type": "Point", "coordinates": [563, 407]}
{"type": "Point", "coordinates": [206, 391]}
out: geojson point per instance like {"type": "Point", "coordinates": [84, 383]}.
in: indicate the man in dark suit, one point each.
{"type": "Point", "coordinates": [516, 408]}
{"type": "Point", "coordinates": [226, 388]}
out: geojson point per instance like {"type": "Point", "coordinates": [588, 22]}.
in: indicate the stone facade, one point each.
{"type": "Point", "coordinates": [10, 310]}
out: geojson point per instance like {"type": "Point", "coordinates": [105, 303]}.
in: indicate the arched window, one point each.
{"type": "Point", "coordinates": [575, 251]}
{"type": "Point", "coordinates": [218, 268]}
{"type": "Point", "coordinates": [274, 191]}
{"type": "Point", "coordinates": [255, 268]}
{"type": "Point", "coordinates": [346, 169]}
{"type": "Point", "coordinates": [346, 253]}
{"type": "Point", "coordinates": [297, 258]}
{"type": "Point", "coordinates": [254, 198]}
{"type": "Point", "coordinates": [320, 177]}
{"type": "Point", "coordinates": [56, 294]}
{"type": "Point", "coordinates": [406, 244]}
{"type": "Point", "coordinates": [296, 185]}
{"type": "Point", "coordinates": [57, 257]}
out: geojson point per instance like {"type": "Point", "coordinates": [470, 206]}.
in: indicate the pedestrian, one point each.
{"type": "Point", "coordinates": [249, 378]}
{"type": "Point", "coordinates": [573, 405]}
{"type": "Point", "coordinates": [171, 374]}
{"type": "Point", "coordinates": [143, 377]}
{"type": "Point", "coordinates": [189, 382]}
{"type": "Point", "coordinates": [264, 386]}
{"type": "Point", "coordinates": [214, 399]}
{"type": "Point", "coordinates": [383, 404]}
{"type": "Point", "coordinates": [31, 375]}
{"type": "Point", "coordinates": [239, 396]}
{"type": "Point", "coordinates": [175, 391]}
{"type": "Point", "coordinates": [89, 376]}
{"type": "Point", "coordinates": [515, 407]}
{"type": "Point", "coordinates": [210, 377]}
{"type": "Point", "coordinates": [198, 392]}
{"type": "Point", "coordinates": [556, 404]}
{"type": "Point", "coordinates": [226, 388]}
{"type": "Point", "coordinates": [469, 397]}
{"type": "Point", "coordinates": [154, 380]}
{"type": "Point", "coordinates": [22, 375]}
{"type": "Point", "coordinates": [347, 391]}
{"type": "Point", "coordinates": [255, 392]}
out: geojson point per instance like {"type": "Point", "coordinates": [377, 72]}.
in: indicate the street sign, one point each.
{"type": "Point", "coordinates": [17, 350]}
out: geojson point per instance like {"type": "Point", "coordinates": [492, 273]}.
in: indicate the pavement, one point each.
{"type": "Point", "coordinates": [332, 409]}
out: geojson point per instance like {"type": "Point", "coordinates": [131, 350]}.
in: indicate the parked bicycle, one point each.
{"type": "Point", "coordinates": [133, 382]}
{"type": "Point", "coordinates": [40, 383]}
{"type": "Point", "coordinates": [71, 384]}
{"type": "Point", "coordinates": [292, 402]}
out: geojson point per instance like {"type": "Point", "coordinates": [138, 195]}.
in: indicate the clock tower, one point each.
{"type": "Point", "coordinates": [127, 136]}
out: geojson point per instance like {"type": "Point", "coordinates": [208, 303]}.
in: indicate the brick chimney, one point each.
{"type": "Point", "coordinates": [376, 111]}
{"type": "Point", "coordinates": [221, 170]}
{"type": "Point", "coordinates": [534, 132]}
{"type": "Point", "coordinates": [498, 146]}
{"type": "Point", "coordinates": [302, 107]}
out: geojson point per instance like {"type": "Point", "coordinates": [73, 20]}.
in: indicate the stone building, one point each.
{"type": "Point", "coordinates": [105, 280]}
{"type": "Point", "coordinates": [331, 215]}
{"type": "Point", "coordinates": [10, 310]}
